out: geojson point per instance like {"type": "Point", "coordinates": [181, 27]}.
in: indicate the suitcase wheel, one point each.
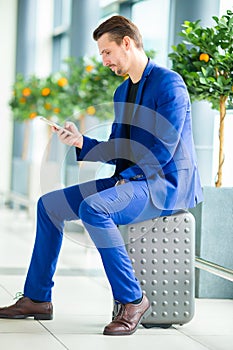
{"type": "Point", "coordinates": [151, 325]}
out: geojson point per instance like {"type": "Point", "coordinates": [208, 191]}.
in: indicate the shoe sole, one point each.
{"type": "Point", "coordinates": [42, 317]}
{"type": "Point", "coordinates": [146, 313]}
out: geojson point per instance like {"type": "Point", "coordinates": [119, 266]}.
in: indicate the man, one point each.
{"type": "Point", "coordinates": [152, 149]}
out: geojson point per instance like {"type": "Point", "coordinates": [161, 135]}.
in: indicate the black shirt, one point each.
{"type": "Point", "coordinates": [133, 89]}
{"type": "Point", "coordinates": [131, 98]}
{"type": "Point", "coordinates": [127, 159]}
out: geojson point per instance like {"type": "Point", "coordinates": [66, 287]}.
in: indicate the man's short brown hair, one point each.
{"type": "Point", "coordinates": [118, 27]}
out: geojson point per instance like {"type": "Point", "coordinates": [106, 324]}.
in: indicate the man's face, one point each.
{"type": "Point", "coordinates": [113, 56]}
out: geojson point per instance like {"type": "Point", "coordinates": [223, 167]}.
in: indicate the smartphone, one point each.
{"type": "Point", "coordinates": [57, 126]}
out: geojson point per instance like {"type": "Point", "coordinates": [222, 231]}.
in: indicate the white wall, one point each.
{"type": "Point", "coordinates": [152, 19]}
{"type": "Point", "coordinates": [43, 66]}
{"type": "Point", "coordinates": [44, 31]}
{"type": "Point", "coordinates": [8, 20]}
{"type": "Point", "coordinates": [8, 33]}
{"type": "Point", "coordinates": [225, 5]}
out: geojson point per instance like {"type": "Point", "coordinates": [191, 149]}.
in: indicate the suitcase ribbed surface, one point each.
{"type": "Point", "coordinates": [162, 255]}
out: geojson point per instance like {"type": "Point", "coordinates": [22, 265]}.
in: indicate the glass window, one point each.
{"type": "Point", "coordinates": [62, 13]}
{"type": "Point", "coordinates": [61, 40]}
{"type": "Point", "coordinates": [104, 3]}
{"type": "Point", "coordinates": [152, 18]}
{"type": "Point", "coordinates": [108, 8]}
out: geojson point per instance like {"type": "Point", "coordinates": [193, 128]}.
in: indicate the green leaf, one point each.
{"type": "Point", "coordinates": [203, 80]}
{"type": "Point", "coordinates": [204, 71]}
{"type": "Point", "coordinates": [216, 19]}
{"type": "Point", "coordinates": [200, 76]}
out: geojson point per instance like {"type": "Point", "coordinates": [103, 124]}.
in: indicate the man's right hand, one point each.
{"type": "Point", "coordinates": [121, 182]}
{"type": "Point", "coordinates": [74, 139]}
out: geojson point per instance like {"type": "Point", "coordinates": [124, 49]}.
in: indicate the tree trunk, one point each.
{"type": "Point", "coordinates": [26, 139]}
{"type": "Point", "coordinates": [222, 105]}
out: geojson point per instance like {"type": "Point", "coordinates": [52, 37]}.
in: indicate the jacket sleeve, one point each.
{"type": "Point", "coordinates": [94, 150]}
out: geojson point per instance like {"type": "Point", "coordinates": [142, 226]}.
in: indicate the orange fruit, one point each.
{"type": "Point", "coordinates": [91, 110]}
{"type": "Point", "coordinates": [56, 110]}
{"type": "Point", "coordinates": [62, 82]}
{"type": "Point", "coordinates": [45, 91]}
{"type": "Point", "coordinates": [26, 92]}
{"type": "Point", "coordinates": [204, 57]}
{"type": "Point", "coordinates": [32, 115]}
{"type": "Point", "coordinates": [47, 106]}
{"type": "Point", "coordinates": [89, 68]}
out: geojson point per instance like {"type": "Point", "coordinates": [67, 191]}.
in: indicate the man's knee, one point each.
{"type": "Point", "coordinates": [40, 203]}
{"type": "Point", "coordinates": [91, 207]}
{"type": "Point", "coordinates": [46, 202]}
{"type": "Point", "coordinates": [54, 204]}
{"type": "Point", "coordinates": [85, 210]}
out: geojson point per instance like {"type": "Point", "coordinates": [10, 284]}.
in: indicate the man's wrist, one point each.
{"type": "Point", "coordinates": [79, 142]}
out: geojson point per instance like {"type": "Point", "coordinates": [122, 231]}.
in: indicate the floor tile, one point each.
{"type": "Point", "coordinates": [92, 324]}
{"type": "Point", "coordinates": [29, 326]}
{"type": "Point", "coordinates": [81, 296]}
{"type": "Point", "coordinates": [133, 342]}
{"type": "Point", "coordinates": [11, 284]}
{"type": "Point", "coordinates": [217, 342]}
{"type": "Point", "coordinates": [212, 317]}
{"type": "Point", "coordinates": [29, 341]}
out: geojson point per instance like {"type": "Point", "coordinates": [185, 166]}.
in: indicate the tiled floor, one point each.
{"type": "Point", "coordinates": [83, 303]}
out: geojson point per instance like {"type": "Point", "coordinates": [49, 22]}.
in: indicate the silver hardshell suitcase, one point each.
{"type": "Point", "coordinates": [162, 252]}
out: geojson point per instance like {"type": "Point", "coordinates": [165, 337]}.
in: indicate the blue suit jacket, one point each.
{"type": "Point", "coordinates": [161, 142]}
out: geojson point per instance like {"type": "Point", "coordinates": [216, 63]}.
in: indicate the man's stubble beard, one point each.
{"type": "Point", "coordinates": [120, 70]}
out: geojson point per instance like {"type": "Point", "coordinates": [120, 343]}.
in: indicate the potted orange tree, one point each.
{"type": "Point", "coordinates": [85, 88]}
{"type": "Point", "coordinates": [205, 61]}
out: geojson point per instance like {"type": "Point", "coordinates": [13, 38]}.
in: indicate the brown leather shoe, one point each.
{"type": "Point", "coordinates": [128, 318]}
{"type": "Point", "coordinates": [25, 307]}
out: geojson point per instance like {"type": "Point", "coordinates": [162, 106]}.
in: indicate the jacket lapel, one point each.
{"type": "Point", "coordinates": [120, 105]}
{"type": "Point", "coordinates": [144, 77]}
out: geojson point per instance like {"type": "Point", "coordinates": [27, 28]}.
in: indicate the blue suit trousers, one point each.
{"type": "Point", "coordinates": [102, 207]}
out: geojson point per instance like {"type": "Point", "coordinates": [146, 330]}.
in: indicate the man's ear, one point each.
{"type": "Point", "coordinates": [126, 42]}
